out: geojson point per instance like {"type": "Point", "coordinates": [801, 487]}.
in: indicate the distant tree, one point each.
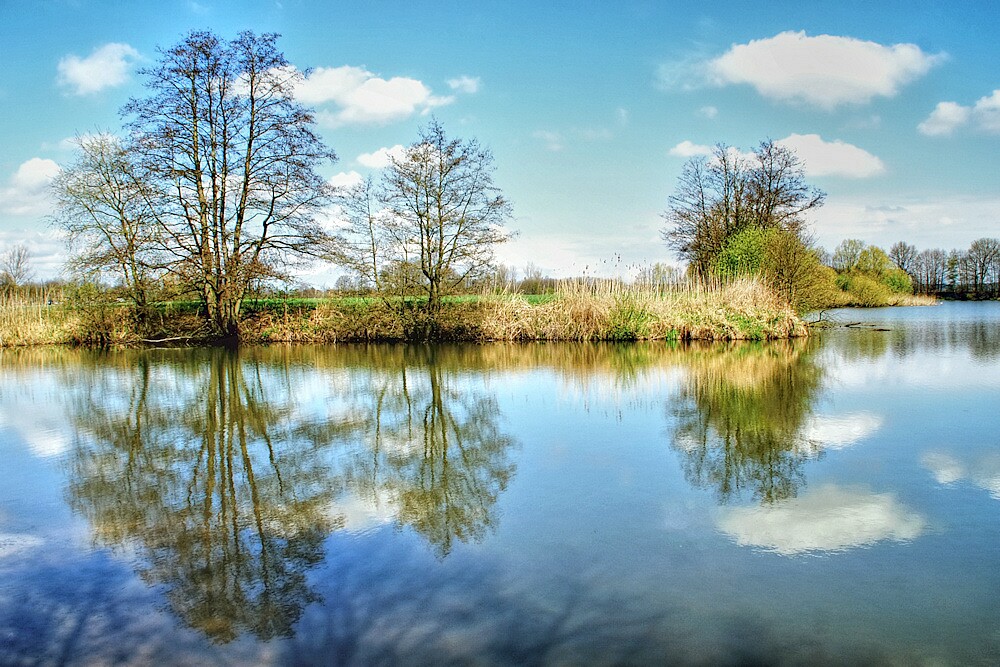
{"type": "Point", "coordinates": [903, 255]}
{"type": "Point", "coordinates": [930, 271]}
{"type": "Point", "coordinates": [982, 262]}
{"type": "Point", "coordinates": [103, 206]}
{"type": "Point", "coordinates": [15, 267]}
{"type": "Point", "coordinates": [719, 196]}
{"type": "Point", "coordinates": [846, 255]}
{"type": "Point", "coordinates": [233, 159]}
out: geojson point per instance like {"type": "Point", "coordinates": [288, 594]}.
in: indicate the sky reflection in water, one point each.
{"type": "Point", "coordinates": [815, 501]}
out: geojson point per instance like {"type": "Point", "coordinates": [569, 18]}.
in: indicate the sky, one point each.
{"type": "Point", "coordinates": [590, 108]}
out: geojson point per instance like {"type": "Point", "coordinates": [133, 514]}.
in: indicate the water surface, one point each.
{"type": "Point", "coordinates": [830, 501]}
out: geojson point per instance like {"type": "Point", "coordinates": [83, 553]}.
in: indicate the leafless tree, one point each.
{"type": "Point", "coordinates": [233, 158]}
{"type": "Point", "coordinates": [103, 206]}
{"type": "Point", "coordinates": [431, 223]}
{"type": "Point", "coordinates": [903, 255]}
{"type": "Point", "coordinates": [15, 266]}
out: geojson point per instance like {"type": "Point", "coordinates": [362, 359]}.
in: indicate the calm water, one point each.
{"type": "Point", "coordinates": [827, 501]}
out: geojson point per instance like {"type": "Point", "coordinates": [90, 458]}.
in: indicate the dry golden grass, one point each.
{"type": "Point", "coordinates": [29, 319]}
{"type": "Point", "coordinates": [609, 310]}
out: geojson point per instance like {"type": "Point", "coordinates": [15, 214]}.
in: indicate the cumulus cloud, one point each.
{"type": "Point", "coordinates": [946, 117]}
{"type": "Point", "coordinates": [465, 84]}
{"type": "Point", "coordinates": [690, 149]}
{"type": "Point", "coordinates": [346, 179]}
{"type": "Point", "coordinates": [842, 431]}
{"type": "Point", "coordinates": [828, 519]}
{"type": "Point", "coordinates": [108, 66]}
{"type": "Point", "coordinates": [824, 71]}
{"type": "Point", "coordinates": [26, 192]}
{"type": "Point", "coordinates": [832, 158]}
{"type": "Point", "coordinates": [382, 157]}
{"type": "Point", "coordinates": [362, 98]}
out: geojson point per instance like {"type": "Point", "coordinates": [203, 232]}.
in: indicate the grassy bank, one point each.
{"type": "Point", "coordinates": [581, 311]}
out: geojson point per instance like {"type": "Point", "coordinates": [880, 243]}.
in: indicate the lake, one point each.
{"type": "Point", "coordinates": [826, 501]}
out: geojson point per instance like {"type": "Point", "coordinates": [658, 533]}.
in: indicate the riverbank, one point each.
{"type": "Point", "coordinates": [592, 311]}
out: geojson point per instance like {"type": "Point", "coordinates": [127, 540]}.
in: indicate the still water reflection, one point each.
{"type": "Point", "coordinates": [824, 501]}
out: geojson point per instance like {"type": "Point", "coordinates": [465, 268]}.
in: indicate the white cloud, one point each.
{"type": "Point", "coordinates": [26, 192]}
{"type": "Point", "coordinates": [842, 431]}
{"type": "Point", "coordinates": [382, 157]}
{"type": "Point", "coordinates": [465, 84]}
{"type": "Point", "coordinates": [690, 149]}
{"type": "Point", "coordinates": [622, 116]}
{"type": "Point", "coordinates": [708, 112]}
{"type": "Point", "coordinates": [363, 98]}
{"type": "Point", "coordinates": [828, 519]}
{"type": "Point", "coordinates": [108, 66]}
{"type": "Point", "coordinates": [987, 112]}
{"type": "Point", "coordinates": [944, 119]}
{"type": "Point", "coordinates": [345, 179]}
{"type": "Point", "coordinates": [832, 158]}
{"type": "Point", "coordinates": [825, 71]}
{"type": "Point", "coordinates": [553, 140]}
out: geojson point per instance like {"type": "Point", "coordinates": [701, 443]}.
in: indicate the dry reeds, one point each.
{"type": "Point", "coordinates": [610, 310]}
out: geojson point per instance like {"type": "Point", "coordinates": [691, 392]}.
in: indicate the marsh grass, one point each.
{"type": "Point", "coordinates": [612, 311]}
{"type": "Point", "coordinates": [580, 310]}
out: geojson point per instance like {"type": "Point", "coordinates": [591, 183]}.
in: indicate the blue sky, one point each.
{"type": "Point", "coordinates": [591, 109]}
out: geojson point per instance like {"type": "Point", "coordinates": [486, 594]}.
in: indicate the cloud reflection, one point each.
{"type": "Point", "coordinates": [841, 431]}
{"type": "Point", "coordinates": [984, 472]}
{"type": "Point", "coordinates": [828, 519]}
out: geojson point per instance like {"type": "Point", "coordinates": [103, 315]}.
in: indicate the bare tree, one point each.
{"type": "Point", "coordinates": [234, 160]}
{"type": "Point", "coordinates": [15, 266]}
{"type": "Point", "coordinates": [719, 196]}
{"type": "Point", "coordinates": [903, 255]}
{"type": "Point", "coordinates": [433, 221]}
{"type": "Point", "coordinates": [982, 264]}
{"type": "Point", "coordinates": [103, 206]}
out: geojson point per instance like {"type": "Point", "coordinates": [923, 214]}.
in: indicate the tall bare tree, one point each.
{"type": "Point", "coordinates": [103, 206]}
{"type": "Point", "coordinates": [233, 158]}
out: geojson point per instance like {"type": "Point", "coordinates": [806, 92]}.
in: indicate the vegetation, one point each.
{"type": "Point", "coordinates": [579, 310]}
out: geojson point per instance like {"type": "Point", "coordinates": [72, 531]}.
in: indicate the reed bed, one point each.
{"type": "Point", "coordinates": [611, 310]}
{"type": "Point", "coordinates": [32, 318]}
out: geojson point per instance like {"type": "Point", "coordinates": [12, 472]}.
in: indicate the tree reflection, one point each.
{"type": "Point", "coordinates": [225, 478]}
{"type": "Point", "coordinates": [209, 475]}
{"type": "Point", "coordinates": [437, 453]}
{"type": "Point", "coordinates": [740, 418]}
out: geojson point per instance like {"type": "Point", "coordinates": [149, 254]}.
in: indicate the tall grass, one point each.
{"type": "Point", "coordinates": [32, 318]}
{"type": "Point", "coordinates": [588, 310]}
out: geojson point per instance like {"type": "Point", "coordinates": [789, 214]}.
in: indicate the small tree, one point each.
{"type": "Point", "coordinates": [15, 267]}
{"type": "Point", "coordinates": [102, 205]}
{"type": "Point", "coordinates": [430, 224]}
{"type": "Point", "coordinates": [445, 209]}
